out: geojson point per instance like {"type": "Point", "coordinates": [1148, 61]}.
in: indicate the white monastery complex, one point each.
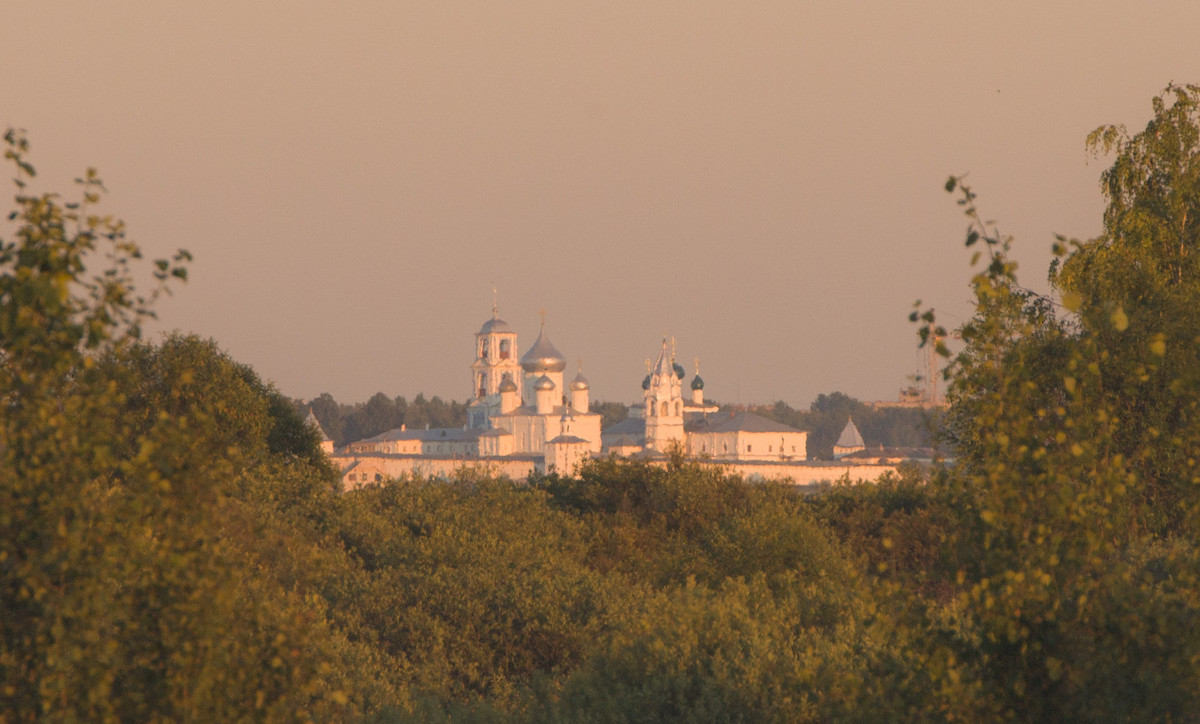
{"type": "Point", "coordinates": [524, 417]}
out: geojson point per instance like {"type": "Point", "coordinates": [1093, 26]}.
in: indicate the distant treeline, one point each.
{"type": "Point", "coordinates": [889, 427]}
{"type": "Point", "coordinates": [824, 421]}
{"type": "Point", "coordinates": [348, 423]}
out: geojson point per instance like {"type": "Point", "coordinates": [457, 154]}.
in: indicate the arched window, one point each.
{"type": "Point", "coordinates": [664, 412]}
{"type": "Point", "coordinates": [505, 349]}
{"type": "Point", "coordinates": [678, 407]}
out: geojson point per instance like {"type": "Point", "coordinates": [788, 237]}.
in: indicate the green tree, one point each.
{"type": "Point", "coordinates": [120, 600]}
{"type": "Point", "coordinates": [328, 413]}
{"type": "Point", "coordinates": [1075, 431]}
{"type": "Point", "coordinates": [610, 412]}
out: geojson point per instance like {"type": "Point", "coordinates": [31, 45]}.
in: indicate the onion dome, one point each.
{"type": "Point", "coordinates": [646, 383]}
{"type": "Point", "coordinates": [579, 383]}
{"type": "Point", "coordinates": [494, 325]}
{"type": "Point", "coordinates": [507, 385]}
{"type": "Point", "coordinates": [543, 383]}
{"type": "Point", "coordinates": [679, 371]}
{"type": "Point", "coordinates": [543, 357]}
{"type": "Point", "coordinates": [697, 383]}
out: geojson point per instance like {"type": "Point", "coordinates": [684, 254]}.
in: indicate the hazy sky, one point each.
{"type": "Point", "coordinates": [763, 181]}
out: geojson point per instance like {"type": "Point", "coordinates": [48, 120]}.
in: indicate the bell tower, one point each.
{"type": "Point", "coordinates": [496, 357]}
{"type": "Point", "coordinates": [664, 402]}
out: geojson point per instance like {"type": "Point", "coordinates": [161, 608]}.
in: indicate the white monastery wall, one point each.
{"type": "Point", "coordinates": [361, 469]}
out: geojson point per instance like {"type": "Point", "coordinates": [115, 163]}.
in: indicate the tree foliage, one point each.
{"type": "Point", "coordinates": [1076, 426]}
{"type": "Point", "coordinates": [120, 600]}
{"type": "Point", "coordinates": [349, 423]}
{"type": "Point", "coordinates": [880, 426]}
{"type": "Point", "coordinates": [173, 546]}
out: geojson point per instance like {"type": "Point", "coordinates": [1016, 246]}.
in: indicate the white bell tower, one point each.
{"type": "Point", "coordinates": [496, 357]}
{"type": "Point", "coordinates": [664, 402]}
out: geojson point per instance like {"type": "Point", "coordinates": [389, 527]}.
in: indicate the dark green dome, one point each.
{"type": "Point", "coordinates": [646, 383]}
{"type": "Point", "coordinates": [697, 383]}
{"type": "Point", "coordinates": [679, 371]}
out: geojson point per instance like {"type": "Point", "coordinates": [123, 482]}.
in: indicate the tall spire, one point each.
{"type": "Point", "coordinates": [664, 364]}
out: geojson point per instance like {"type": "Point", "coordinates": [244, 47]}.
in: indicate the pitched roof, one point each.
{"type": "Point", "coordinates": [850, 436]}
{"type": "Point", "coordinates": [906, 453]}
{"type": "Point", "coordinates": [437, 434]}
{"type": "Point", "coordinates": [737, 422]}
{"type": "Point", "coordinates": [635, 426]}
{"type": "Point", "coordinates": [313, 422]}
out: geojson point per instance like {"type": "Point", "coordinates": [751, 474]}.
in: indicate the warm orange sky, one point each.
{"type": "Point", "coordinates": [760, 180]}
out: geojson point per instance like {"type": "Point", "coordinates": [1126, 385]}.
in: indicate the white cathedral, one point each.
{"type": "Point", "coordinates": [524, 407]}
{"type": "Point", "coordinates": [523, 414]}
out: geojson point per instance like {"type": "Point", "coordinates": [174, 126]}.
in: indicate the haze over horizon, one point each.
{"type": "Point", "coordinates": [761, 182]}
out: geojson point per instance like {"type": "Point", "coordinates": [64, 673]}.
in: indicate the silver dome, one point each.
{"type": "Point", "coordinates": [543, 357]}
{"type": "Point", "coordinates": [494, 325]}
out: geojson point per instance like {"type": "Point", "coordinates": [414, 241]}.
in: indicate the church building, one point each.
{"type": "Point", "coordinates": [665, 420]}
{"type": "Point", "coordinates": [525, 417]}
{"type": "Point", "coordinates": [520, 407]}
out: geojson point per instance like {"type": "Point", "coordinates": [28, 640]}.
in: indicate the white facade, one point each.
{"type": "Point", "coordinates": [519, 406]}
{"type": "Point", "coordinates": [523, 419]}
{"type": "Point", "coordinates": [665, 420]}
{"type": "Point", "coordinates": [743, 436]}
{"type": "Point", "coordinates": [663, 404]}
